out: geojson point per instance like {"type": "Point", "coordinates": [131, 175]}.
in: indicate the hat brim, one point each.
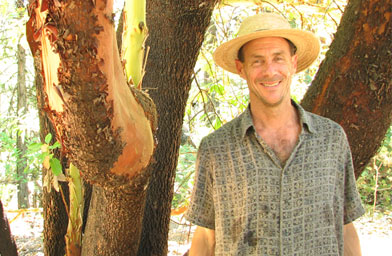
{"type": "Point", "coordinates": [308, 47]}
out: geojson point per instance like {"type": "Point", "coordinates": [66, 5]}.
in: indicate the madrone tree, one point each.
{"type": "Point", "coordinates": [106, 129]}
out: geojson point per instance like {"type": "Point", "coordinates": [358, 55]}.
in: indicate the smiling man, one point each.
{"type": "Point", "coordinates": [276, 180]}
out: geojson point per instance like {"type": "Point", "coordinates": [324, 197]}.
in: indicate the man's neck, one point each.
{"type": "Point", "coordinates": [274, 117]}
{"type": "Point", "coordinates": [279, 127]}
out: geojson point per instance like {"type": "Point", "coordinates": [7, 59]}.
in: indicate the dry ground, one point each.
{"type": "Point", "coordinates": [375, 233]}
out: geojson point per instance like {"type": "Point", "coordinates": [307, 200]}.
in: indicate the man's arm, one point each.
{"type": "Point", "coordinates": [352, 246]}
{"type": "Point", "coordinates": [203, 242]}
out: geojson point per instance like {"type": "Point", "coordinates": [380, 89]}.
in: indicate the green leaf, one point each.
{"type": "Point", "coordinates": [55, 145]}
{"type": "Point", "coordinates": [48, 138]}
{"type": "Point", "coordinates": [217, 124]}
{"type": "Point", "coordinates": [34, 146]}
{"type": "Point", "coordinates": [55, 166]}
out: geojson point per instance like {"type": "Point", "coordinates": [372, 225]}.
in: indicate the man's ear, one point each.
{"type": "Point", "coordinates": [294, 60]}
{"type": "Point", "coordinates": [240, 68]}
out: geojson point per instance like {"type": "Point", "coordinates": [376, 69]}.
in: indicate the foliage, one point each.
{"type": "Point", "coordinates": [13, 123]}
{"type": "Point", "coordinates": [12, 33]}
{"type": "Point", "coordinates": [10, 155]}
{"type": "Point", "coordinates": [375, 183]}
{"type": "Point", "coordinates": [184, 176]}
{"type": "Point", "coordinates": [43, 153]}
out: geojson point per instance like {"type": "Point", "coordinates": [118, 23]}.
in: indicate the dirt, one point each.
{"type": "Point", "coordinates": [375, 232]}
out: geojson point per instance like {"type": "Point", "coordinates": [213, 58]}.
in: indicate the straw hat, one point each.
{"type": "Point", "coordinates": [268, 25]}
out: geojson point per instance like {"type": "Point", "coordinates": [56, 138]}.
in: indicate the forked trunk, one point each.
{"type": "Point", "coordinates": [105, 129]}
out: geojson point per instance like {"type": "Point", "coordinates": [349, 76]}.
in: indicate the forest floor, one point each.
{"type": "Point", "coordinates": [375, 232]}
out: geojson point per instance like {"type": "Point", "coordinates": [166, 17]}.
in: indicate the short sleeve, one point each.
{"type": "Point", "coordinates": [201, 210]}
{"type": "Point", "coordinates": [353, 208]}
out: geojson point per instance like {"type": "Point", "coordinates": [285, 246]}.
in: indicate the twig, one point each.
{"type": "Point", "coordinates": [338, 6]}
{"type": "Point", "coordinates": [183, 181]}
{"type": "Point", "coordinates": [274, 7]}
{"type": "Point", "coordinates": [300, 14]}
{"type": "Point", "coordinates": [204, 104]}
{"type": "Point", "coordinates": [329, 15]}
{"type": "Point", "coordinates": [376, 184]}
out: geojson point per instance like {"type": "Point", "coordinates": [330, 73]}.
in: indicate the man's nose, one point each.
{"type": "Point", "coordinates": [269, 68]}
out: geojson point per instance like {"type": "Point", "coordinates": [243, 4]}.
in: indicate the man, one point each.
{"type": "Point", "coordinates": [276, 180]}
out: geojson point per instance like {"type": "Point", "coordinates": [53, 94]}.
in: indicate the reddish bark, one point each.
{"type": "Point", "coordinates": [354, 83]}
{"type": "Point", "coordinates": [101, 125]}
{"type": "Point", "coordinates": [105, 128]}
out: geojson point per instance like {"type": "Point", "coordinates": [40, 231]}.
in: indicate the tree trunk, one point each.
{"type": "Point", "coordinates": [354, 83]}
{"type": "Point", "coordinates": [7, 242]}
{"type": "Point", "coordinates": [21, 109]}
{"type": "Point", "coordinates": [106, 130]}
{"type": "Point", "coordinates": [176, 33]}
{"type": "Point", "coordinates": [114, 220]}
{"type": "Point", "coordinates": [55, 219]}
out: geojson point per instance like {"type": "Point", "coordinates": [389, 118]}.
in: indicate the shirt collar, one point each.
{"type": "Point", "coordinates": [246, 119]}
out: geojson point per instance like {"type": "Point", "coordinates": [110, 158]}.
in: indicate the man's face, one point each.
{"type": "Point", "coordinates": [268, 68]}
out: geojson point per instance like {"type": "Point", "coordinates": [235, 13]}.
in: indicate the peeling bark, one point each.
{"type": "Point", "coordinates": [102, 128]}
{"type": "Point", "coordinates": [105, 128]}
{"type": "Point", "coordinates": [354, 83]}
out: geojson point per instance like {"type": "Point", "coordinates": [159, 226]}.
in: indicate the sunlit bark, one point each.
{"type": "Point", "coordinates": [354, 83]}
{"type": "Point", "coordinates": [104, 127]}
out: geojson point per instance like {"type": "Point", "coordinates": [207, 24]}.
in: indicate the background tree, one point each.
{"type": "Point", "coordinates": [19, 166]}
{"type": "Point", "coordinates": [21, 110]}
